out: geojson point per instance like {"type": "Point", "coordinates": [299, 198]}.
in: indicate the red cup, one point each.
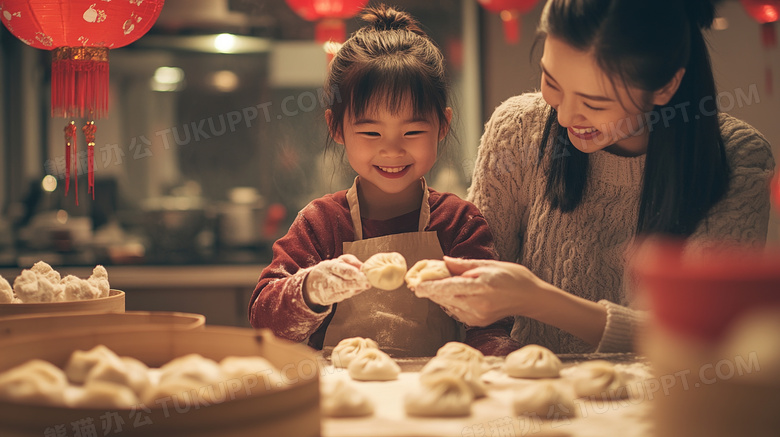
{"type": "Point", "coordinates": [700, 296]}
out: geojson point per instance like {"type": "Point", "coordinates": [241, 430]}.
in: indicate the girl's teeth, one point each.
{"type": "Point", "coordinates": [392, 169]}
{"type": "Point", "coordinates": [584, 131]}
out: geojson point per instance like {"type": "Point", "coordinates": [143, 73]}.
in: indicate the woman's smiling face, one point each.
{"type": "Point", "coordinates": [596, 114]}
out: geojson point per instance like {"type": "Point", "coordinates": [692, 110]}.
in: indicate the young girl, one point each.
{"type": "Point", "coordinates": [625, 139]}
{"type": "Point", "coordinates": [390, 118]}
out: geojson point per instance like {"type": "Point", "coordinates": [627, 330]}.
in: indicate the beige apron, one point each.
{"type": "Point", "coordinates": [403, 324]}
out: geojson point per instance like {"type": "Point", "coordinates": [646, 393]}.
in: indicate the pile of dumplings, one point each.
{"type": "Point", "coordinates": [452, 380]}
{"type": "Point", "coordinates": [449, 383]}
{"type": "Point", "coordinates": [388, 271]}
{"type": "Point", "coordinates": [552, 397]}
{"type": "Point", "coordinates": [42, 283]}
{"type": "Point", "coordinates": [99, 378]}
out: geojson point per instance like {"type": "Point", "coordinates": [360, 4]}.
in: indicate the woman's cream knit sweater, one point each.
{"type": "Point", "coordinates": [584, 252]}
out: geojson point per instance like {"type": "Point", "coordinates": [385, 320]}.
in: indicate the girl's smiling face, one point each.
{"type": "Point", "coordinates": [391, 151]}
{"type": "Point", "coordinates": [596, 114]}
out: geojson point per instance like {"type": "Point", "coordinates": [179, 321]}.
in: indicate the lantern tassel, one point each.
{"type": "Point", "coordinates": [70, 142]}
{"type": "Point", "coordinates": [79, 82]}
{"type": "Point", "coordinates": [511, 20]}
{"type": "Point", "coordinates": [89, 133]}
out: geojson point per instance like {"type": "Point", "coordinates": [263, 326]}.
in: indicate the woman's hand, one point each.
{"type": "Point", "coordinates": [484, 291]}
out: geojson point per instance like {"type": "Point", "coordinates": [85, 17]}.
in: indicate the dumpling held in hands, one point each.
{"type": "Point", "coordinates": [385, 270]}
{"type": "Point", "coordinates": [426, 270]}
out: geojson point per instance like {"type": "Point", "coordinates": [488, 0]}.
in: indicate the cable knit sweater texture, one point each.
{"type": "Point", "coordinates": [584, 252]}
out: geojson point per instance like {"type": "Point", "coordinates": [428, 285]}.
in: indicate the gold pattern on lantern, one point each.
{"type": "Point", "coordinates": [99, 54]}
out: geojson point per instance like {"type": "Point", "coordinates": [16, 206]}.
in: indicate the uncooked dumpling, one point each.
{"type": "Point", "coordinates": [532, 361]}
{"type": "Point", "coordinates": [35, 382]}
{"type": "Point", "coordinates": [102, 394]}
{"type": "Point", "coordinates": [543, 399]}
{"type": "Point", "coordinates": [600, 379]}
{"type": "Point", "coordinates": [385, 270]}
{"type": "Point", "coordinates": [373, 365]}
{"type": "Point", "coordinates": [188, 379]}
{"type": "Point", "coordinates": [255, 374]}
{"type": "Point", "coordinates": [348, 348]}
{"type": "Point", "coordinates": [340, 398]}
{"type": "Point", "coordinates": [81, 362]}
{"type": "Point", "coordinates": [126, 371]}
{"type": "Point", "coordinates": [469, 371]}
{"type": "Point", "coordinates": [426, 270]}
{"type": "Point", "coordinates": [461, 351]}
{"type": "Point", "coordinates": [443, 395]}
{"type": "Point", "coordinates": [6, 292]}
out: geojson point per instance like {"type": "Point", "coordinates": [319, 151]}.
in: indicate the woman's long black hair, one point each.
{"type": "Point", "coordinates": [643, 44]}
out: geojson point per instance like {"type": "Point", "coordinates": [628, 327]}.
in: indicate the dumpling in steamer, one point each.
{"type": "Point", "coordinates": [31, 288]}
{"type": "Point", "coordinates": [532, 361]}
{"type": "Point", "coordinates": [102, 394]}
{"type": "Point", "coordinates": [469, 372]}
{"type": "Point", "coordinates": [192, 366]}
{"type": "Point", "coordinates": [426, 270]}
{"type": "Point", "coordinates": [373, 365]}
{"type": "Point", "coordinates": [601, 380]}
{"type": "Point", "coordinates": [543, 399]}
{"type": "Point", "coordinates": [35, 382]}
{"type": "Point", "coordinates": [443, 395]}
{"type": "Point", "coordinates": [126, 371]}
{"type": "Point", "coordinates": [347, 349]}
{"type": "Point", "coordinates": [81, 362]}
{"type": "Point", "coordinates": [385, 270]}
{"type": "Point", "coordinates": [340, 398]}
{"type": "Point", "coordinates": [188, 376]}
{"type": "Point", "coordinates": [76, 288]}
{"type": "Point", "coordinates": [6, 292]}
{"type": "Point", "coordinates": [255, 375]}
{"type": "Point", "coordinates": [99, 280]}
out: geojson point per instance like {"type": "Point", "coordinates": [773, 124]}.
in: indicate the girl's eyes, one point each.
{"type": "Point", "coordinates": [370, 134]}
{"type": "Point", "coordinates": [415, 132]}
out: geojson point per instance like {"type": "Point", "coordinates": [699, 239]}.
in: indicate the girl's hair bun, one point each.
{"type": "Point", "coordinates": [700, 12]}
{"type": "Point", "coordinates": [384, 17]}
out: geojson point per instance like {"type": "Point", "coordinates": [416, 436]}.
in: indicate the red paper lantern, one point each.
{"type": "Point", "coordinates": [79, 33]}
{"type": "Point", "coordinates": [766, 13]}
{"type": "Point", "coordinates": [329, 16]}
{"type": "Point", "coordinates": [510, 11]}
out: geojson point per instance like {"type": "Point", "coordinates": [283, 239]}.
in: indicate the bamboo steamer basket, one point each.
{"type": "Point", "coordinates": [292, 410]}
{"type": "Point", "coordinates": [115, 302]}
{"type": "Point", "coordinates": [35, 324]}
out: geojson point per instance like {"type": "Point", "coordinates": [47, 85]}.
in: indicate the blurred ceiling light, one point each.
{"type": "Point", "coordinates": [720, 23]}
{"type": "Point", "coordinates": [221, 43]}
{"type": "Point", "coordinates": [167, 79]}
{"type": "Point", "coordinates": [225, 81]}
{"type": "Point", "coordinates": [225, 42]}
{"type": "Point", "coordinates": [49, 183]}
{"type": "Point", "coordinates": [62, 216]}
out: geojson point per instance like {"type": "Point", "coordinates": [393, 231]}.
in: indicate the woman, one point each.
{"type": "Point", "coordinates": [624, 140]}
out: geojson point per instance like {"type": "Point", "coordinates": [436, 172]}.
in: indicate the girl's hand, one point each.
{"type": "Point", "coordinates": [334, 280]}
{"type": "Point", "coordinates": [484, 291]}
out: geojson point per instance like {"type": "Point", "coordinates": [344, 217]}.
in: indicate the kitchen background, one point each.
{"type": "Point", "coordinates": [215, 135]}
